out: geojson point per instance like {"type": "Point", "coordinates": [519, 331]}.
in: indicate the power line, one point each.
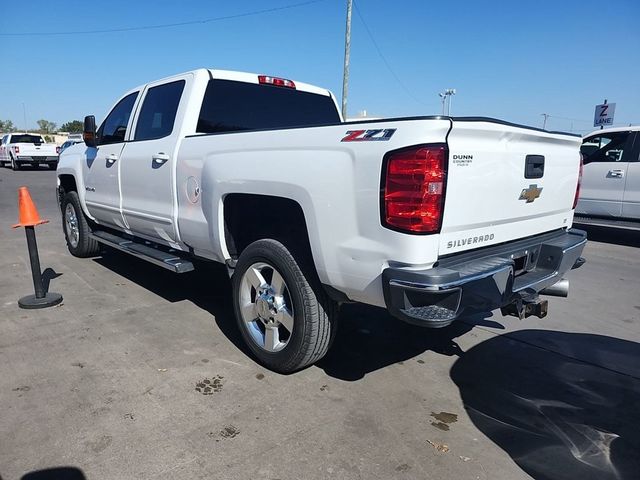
{"type": "Point", "coordinates": [164, 25]}
{"type": "Point", "coordinates": [568, 118]}
{"type": "Point", "coordinates": [375, 44]}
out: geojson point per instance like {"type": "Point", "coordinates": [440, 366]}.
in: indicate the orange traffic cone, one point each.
{"type": "Point", "coordinates": [27, 212]}
{"type": "Point", "coordinates": [28, 218]}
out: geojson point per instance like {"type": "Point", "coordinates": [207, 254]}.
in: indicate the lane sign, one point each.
{"type": "Point", "coordinates": [604, 114]}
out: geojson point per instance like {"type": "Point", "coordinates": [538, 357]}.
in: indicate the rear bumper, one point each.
{"type": "Point", "coordinates": [481, 280]}
{"type": "Point", "coordinates": [36, 160]}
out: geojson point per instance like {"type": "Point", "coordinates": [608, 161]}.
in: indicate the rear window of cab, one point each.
{"type": "Point", "coordinates": [231, 106]}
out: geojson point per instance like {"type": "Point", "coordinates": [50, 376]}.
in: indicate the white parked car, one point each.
{"type": "Point", "coordinates": [429, 217]}
{"type": "Point", "coordinates": [19, 149]}
{"type": "Point", "coordinates": [610, 192]}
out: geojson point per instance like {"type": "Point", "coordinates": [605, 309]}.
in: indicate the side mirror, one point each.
{"type": "Point", "coordinates": [89, 132]}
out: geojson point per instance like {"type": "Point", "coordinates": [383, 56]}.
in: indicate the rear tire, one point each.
{"type": "Point", "coordinates": [76, 228]}
{"type": "Point", "coordinates": [284, 315]}
{"type": "Point", "coordinates": [15, 165]}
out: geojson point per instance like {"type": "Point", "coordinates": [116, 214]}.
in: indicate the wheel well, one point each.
{"type": "Point", "coordinates": [249, 217]}
{"type": "Point", "coordinates": [67, 184]}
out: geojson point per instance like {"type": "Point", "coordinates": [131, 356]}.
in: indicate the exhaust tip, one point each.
{"type": "Point", "coordinates": [559, 289]}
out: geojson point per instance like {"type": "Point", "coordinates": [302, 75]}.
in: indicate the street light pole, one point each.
{"type": "Point", "coordinates": [347, 52]}
{"type": "Point", "coordinates": [544, 123]}
{"type": "Point", "coordinates": [446, 98]}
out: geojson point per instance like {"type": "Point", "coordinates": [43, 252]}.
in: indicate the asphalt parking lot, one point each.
{"type": "Point", "coordinates": [140, 374]}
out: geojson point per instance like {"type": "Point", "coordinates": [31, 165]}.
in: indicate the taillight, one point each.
{"type": "Point", "coordinates": [575, 199]}
{"type": "Point", "coordinates": [414, 185]}
{"type": "Point", "coordinates": [278, 82]}
{"type": "Point", "coordinates": [16, 149]}
{"type": "Point", "coordinates": [58, 150]}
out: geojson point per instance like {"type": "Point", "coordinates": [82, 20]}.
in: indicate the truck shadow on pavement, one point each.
{"type": "Point", "coordinates": [367, 339]}
{"type": "Point", "coordinates": [208, 287]}
{"type": "Point", "coordinates": [562, 405]}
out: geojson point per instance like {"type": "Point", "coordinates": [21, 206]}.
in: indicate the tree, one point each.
{"type": "Point", "coordinates": [7, 126]}
{"type": "Point", "coordinates": [75, 126]}
{"type": "Point", "coordinates": [46, 126]}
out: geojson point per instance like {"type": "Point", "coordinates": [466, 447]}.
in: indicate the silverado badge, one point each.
{"type": "Point", "coordinates": [531, 193]}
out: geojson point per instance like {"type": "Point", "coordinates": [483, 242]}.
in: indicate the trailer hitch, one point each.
{"type": "Point", "coordinates": [523, 308]}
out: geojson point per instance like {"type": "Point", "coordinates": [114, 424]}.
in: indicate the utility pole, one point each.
{"type": "Point", "coordinates": [544, 122]}
{"type": "Point", "coordinates": [347, 52]}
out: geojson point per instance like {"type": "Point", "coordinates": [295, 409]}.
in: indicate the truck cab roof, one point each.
{"type": "Point", "coordinates": [630, 128]}
{"type": "Point", "coordinates": [246, 77]}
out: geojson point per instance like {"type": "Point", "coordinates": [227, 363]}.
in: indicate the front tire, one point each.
{"type": "Point", "coordinates": [76, 228]}
{"type": "Point", "coordinates": [283, 314]}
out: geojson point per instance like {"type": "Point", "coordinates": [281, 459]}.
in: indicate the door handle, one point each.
{"type": "Point", "coordinates": [160, 158]}
{"type": "Point", "coordinates": [616, 173]}
{"type": "Point", "coordinates": [111, 158]}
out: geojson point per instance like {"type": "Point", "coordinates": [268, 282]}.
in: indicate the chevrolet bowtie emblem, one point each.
{"type": "Point", "coordinates": [531, 193]}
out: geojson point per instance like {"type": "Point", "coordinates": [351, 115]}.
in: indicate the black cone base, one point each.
{"type": "Point", "coordinates": [49, 300]}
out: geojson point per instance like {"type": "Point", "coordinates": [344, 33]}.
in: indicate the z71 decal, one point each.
{"type": "Point", "coordinates": [368, 135]}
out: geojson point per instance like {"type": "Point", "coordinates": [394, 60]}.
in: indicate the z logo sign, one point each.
{"type": "Point", "coordinates": [368, 135]}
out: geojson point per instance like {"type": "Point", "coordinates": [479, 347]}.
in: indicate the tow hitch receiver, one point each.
{"type": "Point", "coordinates": [522, 308]}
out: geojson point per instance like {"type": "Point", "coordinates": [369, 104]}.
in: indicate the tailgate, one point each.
{"type": "Point", "coordinates": [506, 182]}
{"type": "Point", "coordinates": [33, 150]}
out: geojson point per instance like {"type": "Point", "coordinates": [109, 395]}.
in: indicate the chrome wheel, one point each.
{"type": "Point", "coordinates": [266, 307]}
{"type": "Point", "coordinates": [71, 223]}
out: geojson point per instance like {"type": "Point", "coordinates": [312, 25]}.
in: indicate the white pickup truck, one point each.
{"type": "Point", "coordinates": [429, 217]}
{"type": "Point", "coordinates": [610, 192]}
{"type": "Point", "coordinates": [19, 149]}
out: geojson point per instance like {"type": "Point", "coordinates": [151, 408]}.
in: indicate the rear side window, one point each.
{"type": "Point", "coordinates": [114, 127]}
{"type": "Point", "coordinates": [158, 112]}
{"type": "Point", "coordinates": [230, 106]}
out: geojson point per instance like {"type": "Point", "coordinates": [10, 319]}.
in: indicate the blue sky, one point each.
{"type": "Point", "coordinates": [512, 60]}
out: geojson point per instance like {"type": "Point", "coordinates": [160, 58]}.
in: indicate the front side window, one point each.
{"type": "Point", "coordinates": [158, 112]}
{"type": "Point", "coordinates": [609, 147]}
{"type": "Point", "coordinates": [114, 127]}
